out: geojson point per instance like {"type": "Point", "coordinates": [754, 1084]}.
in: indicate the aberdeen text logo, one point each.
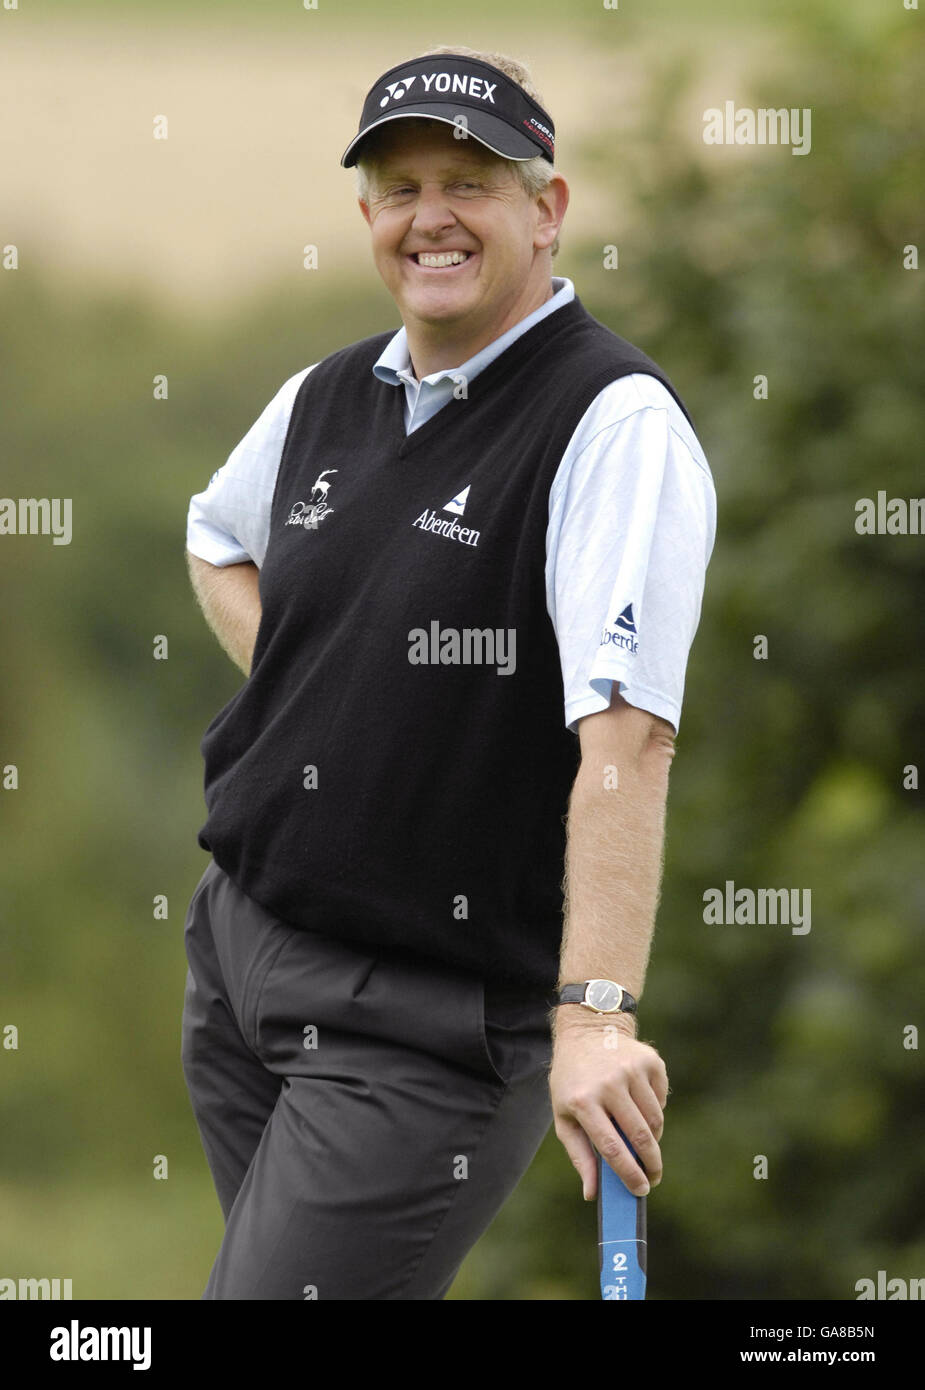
{"type": "Point", "coordinates": [430, 521]}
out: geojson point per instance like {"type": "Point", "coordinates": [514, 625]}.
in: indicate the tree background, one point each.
{"type": "Point", "coordinates": [733, 262]}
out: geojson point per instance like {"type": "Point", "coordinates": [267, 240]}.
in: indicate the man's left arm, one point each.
{"type": "Point", "coordinates": [613, 865]}
{"type": "Point", "coordinates": [632, 523]}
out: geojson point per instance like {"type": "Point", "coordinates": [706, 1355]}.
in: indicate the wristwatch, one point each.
{"type": "Point", "coordinates": [601, 996]}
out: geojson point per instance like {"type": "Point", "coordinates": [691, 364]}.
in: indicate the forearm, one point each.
{"type": "Point", "coordinates": [230, 600]}
{"type": "Point", "coordinates": [613, 869]}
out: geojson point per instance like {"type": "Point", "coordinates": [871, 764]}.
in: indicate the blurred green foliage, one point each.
{"type": "Point", "coordinates": [789, 771]}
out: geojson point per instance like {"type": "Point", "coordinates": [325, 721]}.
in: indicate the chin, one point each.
{"type": "Point", "coordinates": [439, 313]}
{"type": "Point", "coordinates": [436, 298]}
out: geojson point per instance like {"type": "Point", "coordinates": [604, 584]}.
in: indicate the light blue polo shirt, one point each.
{"type": "Point", "coordinates": [425, 397]}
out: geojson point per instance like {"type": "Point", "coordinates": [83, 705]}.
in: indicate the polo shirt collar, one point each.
{"type": "Point", "coordinates": [394, 363]}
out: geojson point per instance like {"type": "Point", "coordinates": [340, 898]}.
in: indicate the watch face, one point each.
{"type": "Point", "coordinates": [604, 995]}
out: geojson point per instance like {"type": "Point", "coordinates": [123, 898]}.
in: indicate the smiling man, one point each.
{"type": "Point", "coordinates": [454, 237]}
{"type": "Point", "coordinates": [425, 924]}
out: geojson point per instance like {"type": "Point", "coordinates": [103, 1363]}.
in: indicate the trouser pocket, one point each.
{"type": "Point", "coordinates": [363, 992]}
{"type": "Point", "coordinates": [515, 1033]}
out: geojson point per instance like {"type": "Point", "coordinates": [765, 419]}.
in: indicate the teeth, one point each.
{"type": "Point", "coordinates": [447, 258]}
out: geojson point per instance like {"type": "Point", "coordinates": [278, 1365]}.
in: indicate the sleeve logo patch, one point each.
{"type": "Point", "coordinates": [622, 632]}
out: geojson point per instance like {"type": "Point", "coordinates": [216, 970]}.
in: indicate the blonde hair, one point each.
{"type": "Point", "coordinates": [532, 174]}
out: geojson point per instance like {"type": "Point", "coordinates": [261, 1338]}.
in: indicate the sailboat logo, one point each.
{"type": "Point", "coordinates": [458, 504]}
{"type": "Point", "coordinates": [622, 634]}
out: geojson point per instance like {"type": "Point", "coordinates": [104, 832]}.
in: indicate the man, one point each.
{"type": "Point", "coordinates": [461, 565]}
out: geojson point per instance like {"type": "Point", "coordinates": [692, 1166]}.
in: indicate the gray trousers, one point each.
{"type": "Point", "coordinates": [364, 1113]}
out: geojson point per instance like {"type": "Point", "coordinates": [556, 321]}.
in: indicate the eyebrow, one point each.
{"type": "Point", "coordinates": [395, 171]}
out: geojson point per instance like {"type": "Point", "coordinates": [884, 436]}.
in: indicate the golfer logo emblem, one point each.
{"type": "Point", "coordinates": [313, 511]}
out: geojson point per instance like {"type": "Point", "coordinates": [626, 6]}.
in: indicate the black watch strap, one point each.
{"type": "Point", "coordinates": [574, 994]}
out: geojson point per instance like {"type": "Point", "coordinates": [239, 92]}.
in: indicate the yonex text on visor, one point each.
{"type": "Point", "coordinates": [476, 97]}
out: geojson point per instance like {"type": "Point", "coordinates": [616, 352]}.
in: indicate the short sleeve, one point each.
{"type": "Point", "coordinates": [631, 530]}
{"type": "Point", "coordinates": [229, 521]}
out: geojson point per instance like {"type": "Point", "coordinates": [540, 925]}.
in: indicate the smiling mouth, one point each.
{"type": "Point", "coordinates": [445, 261]}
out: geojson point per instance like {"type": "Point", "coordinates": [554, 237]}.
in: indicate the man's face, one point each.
{"type": "Point", "coordinates": [430, 192]}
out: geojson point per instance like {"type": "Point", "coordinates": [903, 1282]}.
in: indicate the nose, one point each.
{"type": "Point", "coordinates": [432, 213]}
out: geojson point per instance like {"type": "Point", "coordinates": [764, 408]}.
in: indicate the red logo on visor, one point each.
{"type": "Point", "coordinates": [541, 133]}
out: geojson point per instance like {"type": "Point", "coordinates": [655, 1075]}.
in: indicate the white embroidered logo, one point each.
{"type": "Point", "coordinates": [310, 513]}
{"type": "Point", "coordinates": [458, 504]}
{"type": "Point", "coordinates": [430, 521]}
{"type": "Point", "coordinates": [394, 91]}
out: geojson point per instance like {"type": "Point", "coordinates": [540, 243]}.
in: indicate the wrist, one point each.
{"type": "Point", "coordinates": [572, 1018]}
{"type": "Point", "coordinates": [595, 998]}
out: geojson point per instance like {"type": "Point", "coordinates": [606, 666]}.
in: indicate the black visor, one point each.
{"type": "Point", "coordinates": [466, 93]}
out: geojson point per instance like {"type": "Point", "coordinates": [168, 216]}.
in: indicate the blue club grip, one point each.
{"type": "Point", "coordinates": [621, 1234]}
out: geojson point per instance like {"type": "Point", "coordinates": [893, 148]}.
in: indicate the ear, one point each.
{"type": "Point", "coordinates": [550, 205]}
{"type": "Point", "coordinates": [364, 208]}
